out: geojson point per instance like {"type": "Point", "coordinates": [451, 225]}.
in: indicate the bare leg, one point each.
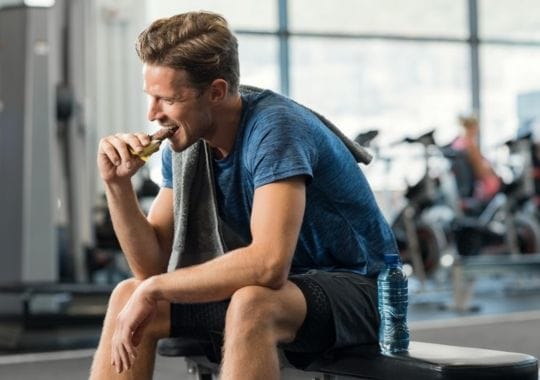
{"type": "Point", "coordinates": [257, 320]}
{"type": "Point", "coordinates": [146, 351]}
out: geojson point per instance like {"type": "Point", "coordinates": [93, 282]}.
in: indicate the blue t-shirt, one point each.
{"type": "Point", "coordinates": [343, 228]}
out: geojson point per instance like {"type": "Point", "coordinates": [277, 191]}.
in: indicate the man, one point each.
{"type": "Point", "coordinates": [305, 281]}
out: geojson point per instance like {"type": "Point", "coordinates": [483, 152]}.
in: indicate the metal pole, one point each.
{"type": "Point", "coordinates": [474, 42]}
{"type": "Point", "coordinates": [284, 47]}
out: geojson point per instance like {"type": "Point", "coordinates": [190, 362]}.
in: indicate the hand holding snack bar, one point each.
{"type": "Point", "coordinates": [118, 155]}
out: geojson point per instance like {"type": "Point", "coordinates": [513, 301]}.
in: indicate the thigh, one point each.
{"type": "Point", "coordinates": [353, 299]}
{"type": "Point", "coordinates": [197, 319]}
{"type": "Point", "coordinates": [162, 324]}
{"type": "Point", "coordinates": [286, 306]}
{"type": "Point", "coordinates": [341, 311]}
{"type": "Point", "coordinates": [281, 310]}
{"type": "Point", "coordinates": [205, 322]}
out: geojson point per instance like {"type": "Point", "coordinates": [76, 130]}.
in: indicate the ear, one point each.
{"type": "Point", "coordinates": [218, 90]}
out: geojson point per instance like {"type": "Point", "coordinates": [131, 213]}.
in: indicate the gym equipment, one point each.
{"type": "Point", "coordinates": [27, 220]}
{"type": "Point", "coordinates": [509, 217]}
{"type": "Point", "coordinates": [440, 216]}
{"type": "Point", "coordinates": [423, 227]}
{"type": "Point", "coordinates": [423, 361]}
{"type": "Point", "coordinates": [52, 316]}
{"type": "Point", "coordinates": [46, 190]}
{"type": "Point", "coordinates": [467, 269]}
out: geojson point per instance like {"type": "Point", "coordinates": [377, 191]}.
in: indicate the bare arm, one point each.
{"type": "Point", "coordinates": [145, 242]}
{"type": "Point", "coordinates": [480, 165]}
{"type": "Point", "coordinates": [278, 210]}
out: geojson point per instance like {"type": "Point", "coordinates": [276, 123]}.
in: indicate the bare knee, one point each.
{"type": "Point", "coordinates": [250, 303]}
{"type": "Point", "coordinates": [121, 293]}
{"type": "Point", "coordinates": [120, 296]}
{"type": "Point", "coordinates": [256, 311]}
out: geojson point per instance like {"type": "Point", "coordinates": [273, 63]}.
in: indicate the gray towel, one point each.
{"type": "Point", "coordinates": [199, 233]}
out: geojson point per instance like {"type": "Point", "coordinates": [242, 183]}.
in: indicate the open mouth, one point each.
{"type": "Point", "coordinates": [165, 132]}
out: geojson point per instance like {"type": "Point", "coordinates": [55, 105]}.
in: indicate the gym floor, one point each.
{"type": "Point", "coordinates": [504, 315]}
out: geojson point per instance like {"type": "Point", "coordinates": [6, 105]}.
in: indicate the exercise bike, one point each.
{"type": "Point", "coordinates": [423, 227]}
{"type": "Point", "coordinates": [440, 221]}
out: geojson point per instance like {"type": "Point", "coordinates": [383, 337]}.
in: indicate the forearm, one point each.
{"type": "Point", "coordinates": [135, 234]}
{"type": "Point", "coordinates": [219, 278]}
{"type": "Point", "coordinates": [479, 164]}
{"type": "Point", "coordinates": [277, 216]}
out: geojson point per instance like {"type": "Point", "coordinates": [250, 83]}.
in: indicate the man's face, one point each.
{"type": "Point", "coordinates": [172, 102]}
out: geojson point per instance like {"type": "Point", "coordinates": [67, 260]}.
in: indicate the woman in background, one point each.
{"type": "Point", "coordinates": [486, 182]}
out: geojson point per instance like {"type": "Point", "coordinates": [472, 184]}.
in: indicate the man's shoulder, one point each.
{"type": "Point", "coordinates": [265, 100]}
{"type": "Point", "coordinates": [270, 109]}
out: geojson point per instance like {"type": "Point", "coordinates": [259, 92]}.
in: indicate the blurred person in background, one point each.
{"type": "Point", "coordinates": [485, 183]}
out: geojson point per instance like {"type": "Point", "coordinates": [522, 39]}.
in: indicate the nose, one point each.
{"type": "Point", "coordinates": [154, 110]}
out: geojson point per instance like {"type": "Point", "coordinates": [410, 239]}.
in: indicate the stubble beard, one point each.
{"type": "Point", "coordinates": [181, 141]}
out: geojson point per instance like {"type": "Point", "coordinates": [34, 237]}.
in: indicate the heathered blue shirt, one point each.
{"type": "Point", "coordinates": [343, 228]}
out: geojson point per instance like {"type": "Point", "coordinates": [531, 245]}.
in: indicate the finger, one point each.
{"type": "Point", "coordinates": [130, 160]}
{"type": "Point", "coordinates": [107, 150]}
{"type": "Point", "coordinates": [138, 332]}
{"type": "Point", "coordinates": [115, 149]}
{"type": "Point", "coordinates": [116, 351]}
{"type": "Point", "coordinates": [122, 145]}
{"type": "Point", "coordinates": [119, 366]}
{"type": "Point", "coordinates": [131, 354]}
{"type": "Point", "coordinates": [127, 349]}
{"type": "Point", "coordinates": [116, 359]}
{"type": "Point", "coordinates": [136, 145]}
{"type": "Point", "coordinates": [135, 141]}
{"type": "Point", "coordinates": [131, 359]}
{"type": "Point", "coordinates": [130, 351]}
{"type": "Point", "coordinates": [144, 139]}
{"type": "Point", "coordinates": [124, 357]}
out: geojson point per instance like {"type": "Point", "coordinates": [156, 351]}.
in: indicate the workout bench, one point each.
{"type": "Point", "coordinates": [424, 361]}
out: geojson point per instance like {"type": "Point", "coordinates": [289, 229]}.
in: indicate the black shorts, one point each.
{"type": "Point", "coordinates": [341, 311]}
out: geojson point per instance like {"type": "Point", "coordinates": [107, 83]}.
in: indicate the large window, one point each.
{"type": "Point", "coordinates": [255, 24]}
{"type": "Point", "coordinates": [259, 15]}
{"type": "Point", "coordinates": [388, 17]}
{"type": "Point", "coordinates": [509, 20]}
{"type": "Point", "coordinates": [402, 68]}
{"type": "Point", "coordinates": [508, 73]}
{"type": "Point", "coordinates": [361, 85]}
{"type": "Point", "coordinates": [259, 61]}
{"type": "Point", "coordinates": [509, 33]}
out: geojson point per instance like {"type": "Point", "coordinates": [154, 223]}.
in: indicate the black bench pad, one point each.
{"type": "Point", "coordinates": [428, 361]}
{"type": "Point", "coordinates": [182, 347]}
{"type": "Point", "coordinates": [424, 361]}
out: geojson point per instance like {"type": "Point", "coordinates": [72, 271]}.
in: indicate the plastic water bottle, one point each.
{"type": "Point", "coordinates": [393, 301]}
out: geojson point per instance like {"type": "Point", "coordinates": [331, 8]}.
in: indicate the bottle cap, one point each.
{"type": "Point", "coordinates": [392, 259]}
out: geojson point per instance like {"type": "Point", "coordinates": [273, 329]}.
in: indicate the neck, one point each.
{"type": "Point", "coordinates": [227, 117]}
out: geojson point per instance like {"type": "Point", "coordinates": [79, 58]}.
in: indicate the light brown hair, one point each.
{"type": "Point", "coordinates": [200, 43]}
